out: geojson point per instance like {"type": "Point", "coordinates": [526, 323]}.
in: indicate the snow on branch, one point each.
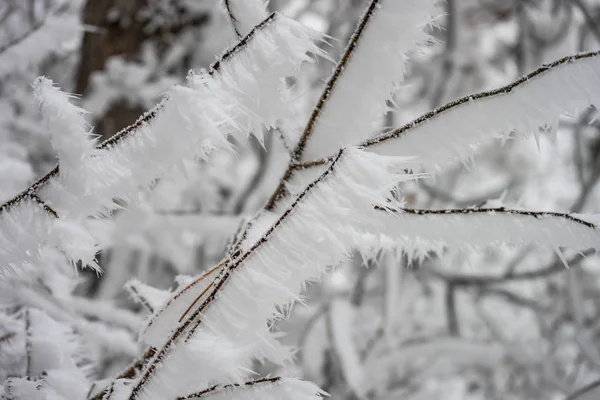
{"type": "Point", "coordinates": [149, 297]}
{"type": "Point", "coordinates": [372, 64]}
{"type": "Point", "coordinates": [71, 134]}
{"type": "Point", "coordinates": [245, 14]}
{"type": "Point", "coordinates": [262, 100]}
{"type": "Point", "coordinates": [476, 227]}
{"type": "Point", "coordinates": [454, 131]}
{"type": "Point", "coordinates": [173, 310]}
{"type": "Point", "coordinates": [261, 389]}
{"type": "Point", "coordinates": [312, 234]}
{"type": "Point", "coordinates": [188, 123]}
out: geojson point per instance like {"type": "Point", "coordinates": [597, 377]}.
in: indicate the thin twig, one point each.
{"type": "Point", "coordinates": [498, 210]}
{"type": "Point", "coordinates": [128, 373]}
{"type": "Point", "coordinates": [232, 18]}
{"type": "Point", "coordinates": [325, 94]}
{"type": "Point", "coordinates": [218, 284]}
{"type": "Point", "coordinates": [546, 68]}
{"type": "Point", "coordinates": [218, 388]}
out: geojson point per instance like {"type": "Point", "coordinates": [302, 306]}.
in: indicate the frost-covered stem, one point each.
{"type": "Point", "coordinates": [217, 388]}
{"type": "Point", "coordinates": [238, 238]}
{"type": "Point", "coordinates": [330, 87]}
{"type": "Point", "coordinates": [242, 43]}
{"type": "Point", "coordinates": [45, 206]}
{"type": "Point", "coordinates": [547, 68]}
{"type": "Point", "coordinates": [222, 264]}
{"type": "Point", "coordinates": [496, 92]}
{"type": "Point", "coordinates": [467, 211]}
{"type": "Point", "coordinates": [128, 373]}
{"type": "Point", "coordinates": [325, 94]}
{"type": "Point", "coordinates": [261, 241]}
{"type": "Point", "coordinates": [232, 18]}
{"type": "Point", "coordinates": [144, 119]}
{"type": "Point", "coordinates": [219, 282]}
{"type": "Point", "coordinates": [141, 299]}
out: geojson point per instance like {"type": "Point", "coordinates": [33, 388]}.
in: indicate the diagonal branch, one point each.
{"type": "Point", "coordinates": [234, 21]}
{"type": "Point", "coordinates": [141, 121]}
{"type": "Point", "coordinates": [450, 109]}
{"type": "Point", "coordinates": [499, 210]}
{"type": "Point", "coordinates": [223, 277]}
{"type": "Point", "coordinates": [218, 388]}
{"type": "Point", "coordinates": [331, 84]}
{"type": "Point", "coordinates": [355, 95]}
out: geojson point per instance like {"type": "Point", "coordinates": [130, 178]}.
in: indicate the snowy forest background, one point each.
{"type": "Point", "coordinates": [503, 323]}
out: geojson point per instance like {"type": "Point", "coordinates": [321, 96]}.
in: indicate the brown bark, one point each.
{"type": "Point", "coordinates": [118, 31]}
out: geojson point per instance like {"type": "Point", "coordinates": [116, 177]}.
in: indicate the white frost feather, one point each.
{"type": "Point", "coordinates": [473, 228]}
{"type": "Point", "coordinates": [245, 14]}
{"type": "Point", "coordinates": [457, 132]}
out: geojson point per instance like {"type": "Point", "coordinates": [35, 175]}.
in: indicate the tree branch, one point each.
{"type": "Point", "coordinates": [232, 18]}
{"type": "Point", "coordinates": [449, 107]}
{"type": "Point", "coordinates": [143, 119]}
{"type": "Point", "coordinates": [218, 388]}
{"type": "Point", "coordinates": [325, 95]}
{"type": "Point", "coordinates": [221, 279]}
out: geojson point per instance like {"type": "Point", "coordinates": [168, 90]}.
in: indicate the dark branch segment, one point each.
{"type": "Point", "coordinates": [219, 281]}
{"type": "Point", "coordinates": [467, 99]}
{"type": "Point", "coordinates": [144, 119]}
{"type": "Point", "coordinates": [326, 93]}
{"type": "Point", "coordinates": [346, 57]}
{"type": "Point", "coordinates": [449, 107]}
{"type": "Point", "coordinates": [473, 211]}
{"type": "Point", "coordinates": [218, 388]}
{"type": "Point", "coordinates": [232, 18]}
